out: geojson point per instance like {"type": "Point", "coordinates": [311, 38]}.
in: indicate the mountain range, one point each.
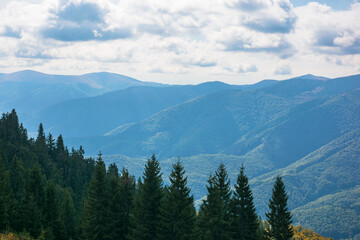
{"type": "Point", "coordinates": [306, 129]}
{"type": "Point", "coordinates": [29, 91]}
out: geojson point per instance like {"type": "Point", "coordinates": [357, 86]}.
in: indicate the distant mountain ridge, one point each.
{"type": "Point", "coordinates": [217, 121]}
{"type": "Point", "coordinates": [101, 114]}
{"type": "Point", "coordinates": [30, 91]}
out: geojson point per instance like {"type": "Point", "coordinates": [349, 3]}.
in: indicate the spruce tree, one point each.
{"type": "Point", "coordinates": [113, 170]}
{"type": "Point", "coordinates": [127, 191]}
{"type": "Point", "coordinates": [67, 216]}
{"type": "Point", "coordinates": [34, 202]}
{"type": "Point", "coordinates": [52, 224]}
{"type": "Point", "coordinates": [5, 194]}
{"type": "Point", "coordinates": [62, 160]}
{"type": "Point", "coordinates": [223, 183]}
{"type": "Point", "coordinates": [96, 212]}
{"type": "Point", "coordinates": [115, 205]}
{"type": "Point", "coordinates": [51, 145]}
{"type": "Point", "coordinates": [41, 150]}
{"type": "Point", "coordinates": [244, 222]}
{"type": "Point", "coordinates": [213, 223]}
{"type": "Point", "coordinates": [31, 215]}
{"type": "Point", "coordinates": [17, 177]}
{"type": "Point", "coordinates": [279, 217]}
{"type": "Point", "coordinates": [177, 212]}
{"type": "Point", "coordinates": [145, 215]}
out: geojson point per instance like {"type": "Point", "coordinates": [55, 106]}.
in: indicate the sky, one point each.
{"type": "Point", "coordinates": [182, 42]}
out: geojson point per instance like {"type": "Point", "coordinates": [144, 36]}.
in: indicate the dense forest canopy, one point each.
{"type": "Point", "coordinates": [50, 192]}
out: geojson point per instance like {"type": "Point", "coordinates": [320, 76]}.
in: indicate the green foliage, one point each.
{"type": "Point", "coordinates": [45, 188]}
{"type": "Point", "coordinates": [52, 222]}
{"type": "Point", "coordinates": [127, 191]}
{"type": "Point", "coordinates": [334, 215]}
{"type": "Point", "coordinates": [113, 170]}
{"type": "Point", "coordinates": [67, 216]}
{"type": "Point", "coordinates": [5, 194]}
{"type": "Point", "coordinates": [177, 212]}
{"type": "Point", "coordinates": [96, 212]}
{"type": "Point", "coordinates": [145, 214]}
{"type": "Point", "coordinates": [279, 216]}
{"type": "Point", "coordinates": [121, 193]}
{"type": "Point", "coordinates": [214, 217]}
{"type": "Point", "coordinates": [244, 221]}
{"type": "Point", "coordinates": [17, 177]}
{"type": "Point", "coordinates": [33, 178]}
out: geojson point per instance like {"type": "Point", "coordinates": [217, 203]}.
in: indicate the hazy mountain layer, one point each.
{"type": "Point", "coordinates": [100, 114]}
{"type": "Point", "coordinates": [282, 122]}
{"type": "Point", "coordinates": [29, 92]}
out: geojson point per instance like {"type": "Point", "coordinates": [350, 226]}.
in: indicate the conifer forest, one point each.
{"type": "Point", "coordinates": [50, 192]}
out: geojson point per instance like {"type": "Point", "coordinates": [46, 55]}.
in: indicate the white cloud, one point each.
{"type": "Point", "coordinates": [324, 30]}
{"type": "Point", "coordinates": [202, 39]}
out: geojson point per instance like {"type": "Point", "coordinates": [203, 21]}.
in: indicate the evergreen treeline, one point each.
{"type": "Point", "coordinates": [49, 192]}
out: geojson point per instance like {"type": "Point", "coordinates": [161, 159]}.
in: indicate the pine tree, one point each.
{"type": "Point", "coordinates": [17, 177]}
{"type": "Point", "coordinates": [244, 222]}
{"type": "Point", "coordinates": [279, 217]}
{"type": "Point", "coordinates": [177, 212]}
{"type": "Point", "coordinates": [41, 150]}
{"type": "Point", "coordinates": [62, 160]}
{"type": "Point", "coordinates": [31, 215]}
{"type": "Point", "coordinates": [115, 205]}
{"type": "Point", "coordinates": [51, 145]}
{"type": "Point", "coordinates": [67, 216]}
{"type": "Point", "coordinates": [127, 191]}
{"type": "Point", "coordinates": [52, 222]}
{"type": "Point", "coordinates": [34, 202]}
{"type": "Point", "coordinates": [213, 223]}
{"type": "Point", "coordinates": [5, 195]}
{"type": "Point", "coordinates": [113, 170]}
{"type": "Point", "coordinates": [145, 215]}
{"type": "Point", "coordinates": [96, 213]}
{"type": "Point", "coordinates": [223, 183]}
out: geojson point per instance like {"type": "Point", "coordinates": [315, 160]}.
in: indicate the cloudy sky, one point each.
{"type": "Point", "coordinates": [187, 41]}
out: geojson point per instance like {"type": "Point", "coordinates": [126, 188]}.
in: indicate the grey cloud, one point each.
{"type": "Point", "coordinates": [326, 43]}
{"type": "Point", "coordinates": [248, 5]}
{"type": "Point", "coordinates": [265, 22]}
{"type": "Point", "coordinates": [10, 32]}
{"type": "Point", "coordinates": [252, 68]}
{"type": "Point", "coordinates": [197, 63]}
{"type": "Point", "coordinates": [284, 49]}
{"type": "Point", "coordinates": [272, 25]}
{"type": "Point", "coordinates": [203, 63]}
{"type": "Point", "coordinates": [325, 38]}
{"type": "Point", "coordinates": [82, 22]}
{"type": "Point", "coordinates": [242, 69]}
{"type": "Point", "coordinates": [286, 6]}
{"type": "Point", "coordinates": [26, 53]}
{"type": "Point", "coordinates": [81, 13]}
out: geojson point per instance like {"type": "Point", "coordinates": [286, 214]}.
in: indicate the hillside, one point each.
{"type": "Point", "coordinates": [253, 122]}
{"type": "Point", "coordinates": [100, 114]}
{"type": "Point", "coordinates": [336, 215]}
{"type": "Point", "coordinates": [316, 179]}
